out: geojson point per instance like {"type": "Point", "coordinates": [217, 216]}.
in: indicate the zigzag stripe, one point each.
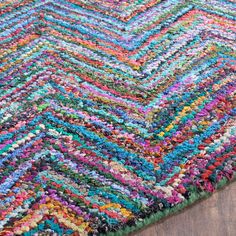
{"type": "Point", "coordinates": [112, 111]}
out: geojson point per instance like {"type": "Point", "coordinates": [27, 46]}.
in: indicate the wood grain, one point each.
{"type": "Point", "coordinates": [215, 216]}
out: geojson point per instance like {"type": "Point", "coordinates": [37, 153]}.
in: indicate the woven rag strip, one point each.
{"type": "Point", "coordinates": [113, 114]}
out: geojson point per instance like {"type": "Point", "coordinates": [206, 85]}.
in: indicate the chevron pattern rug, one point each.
{"type": "Point", "coordinates": [113, 114]}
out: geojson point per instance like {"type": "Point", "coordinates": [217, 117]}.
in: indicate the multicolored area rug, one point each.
{"type": "Point", "coordinates": [113, 114]}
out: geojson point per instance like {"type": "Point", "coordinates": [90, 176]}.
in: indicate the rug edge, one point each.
{"type": "Point", "coordinates": [156, 217]}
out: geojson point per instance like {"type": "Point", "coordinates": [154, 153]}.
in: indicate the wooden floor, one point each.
{"type": "Point", "coordinates": [215, 216]}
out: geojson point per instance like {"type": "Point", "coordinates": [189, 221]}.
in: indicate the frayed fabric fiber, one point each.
{"type": "Point", "coordinates": [113, 114]}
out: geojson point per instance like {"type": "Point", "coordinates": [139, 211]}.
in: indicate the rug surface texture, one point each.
{"type": "Point", "coordinates": [113, 114]}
